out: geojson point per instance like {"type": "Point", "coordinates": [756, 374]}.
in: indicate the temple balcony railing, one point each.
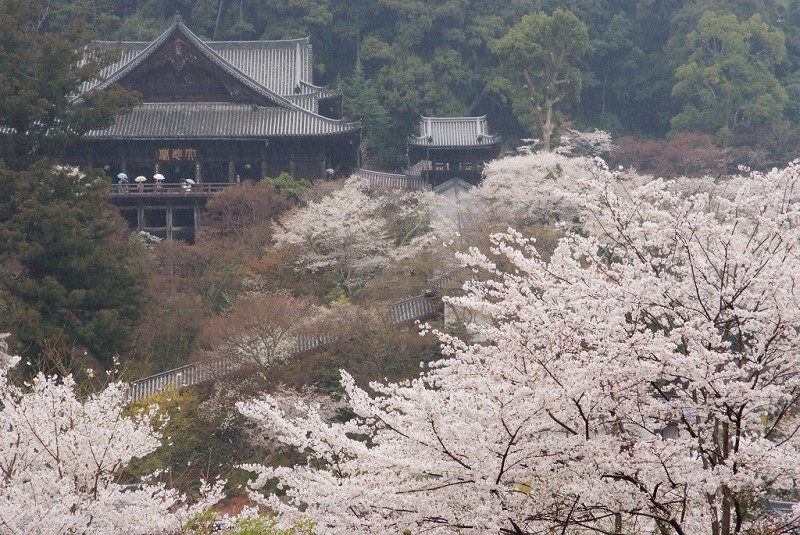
{"type": "Point", "coordinates": [202, 188]}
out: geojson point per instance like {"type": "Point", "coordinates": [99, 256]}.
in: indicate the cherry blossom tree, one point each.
{"type": "Point", "coordinates": [60, 456]}
{"type": "Point", "coordinates": [261, 328]}
{"type": "Point", "coordinates": [594, 143]}
{"type": "Point", "coordinates": [644, 379]}
{"type": "Point", "coordinates": [530, 189]}
{"type": "Point", "coordinates": [355, 230]}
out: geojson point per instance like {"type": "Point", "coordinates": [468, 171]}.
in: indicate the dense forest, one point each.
{"type": "Point", "coordinates": [650, 68]}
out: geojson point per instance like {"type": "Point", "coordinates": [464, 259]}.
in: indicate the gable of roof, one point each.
{"type": "Point", "coordinates": [135, 56]}
{"type": "Point", "coordinates": [453, 132]}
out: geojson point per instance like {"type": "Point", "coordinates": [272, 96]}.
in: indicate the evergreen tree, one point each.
{"type": "Point", "coordinates": [361, 104]}
{"type": "Point", "coordinates": [728, 81]}
{"type": "Point", "coordinates": [69, 280]}
{"type": "Point", "coordinates": [41, 73]}
{"type": "Point", "coordinates": [540, 56]}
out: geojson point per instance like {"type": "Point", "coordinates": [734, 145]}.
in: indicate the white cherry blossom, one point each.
{"type": "Point", "coordinates": [644, 379]}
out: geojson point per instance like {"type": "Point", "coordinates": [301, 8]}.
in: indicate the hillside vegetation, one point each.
{"type": "Point", "coordinates": [616, 346]}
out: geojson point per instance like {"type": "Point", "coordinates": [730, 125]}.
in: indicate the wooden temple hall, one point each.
{"type": "Point", "coordinates": [218, 112]}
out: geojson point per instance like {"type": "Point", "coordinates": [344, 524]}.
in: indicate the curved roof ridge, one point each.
{"type": "Point", "coordinates": [139, 58]}
{"type": "Point", "coordinates": [453, 132]}
{"type": "Point", "coordinates": [316, 87]}
{"type": "Point", "coordinates": [263, 42]}
{"type": "Point", "coordinates": [226, 66]}
{"type": "Point", "coordinates": [440, 118]}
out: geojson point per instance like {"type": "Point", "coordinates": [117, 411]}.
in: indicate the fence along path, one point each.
{"type": "Point", "coordinates": [411, 309]}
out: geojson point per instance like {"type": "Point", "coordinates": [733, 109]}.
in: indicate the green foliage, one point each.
{"type": "Point", "coordinates": [729, 81]}
{"type": "Point", "coordinates": [138, 27]}
{"type": "Point", "coordinates": [69, 276]}
{"type": "Point", "coordinates": [410, 86]}
{"type": "Point", "coordinates": [98, 14]}
{"type": "Point", "coordinates": [288, 186]}
{"type": "Point", "coordinates": [40, 73]}
{"type": "Point", "coordinates": [196, 443]}
{"type": "Point", "coordinates": [540, 56]}
{"type": "Point", "coordinates": [336, 295]}
{"type": "Point", "coordinates": [205, 524]}
{"type": "Point", "coordinates": [201, 524]}
{"type": "Point", "coordinates": [266, 526]}
{"type": "Point", "coordinates": [186, 445]}
{"type": "Point", "coordinates": [361, 104]}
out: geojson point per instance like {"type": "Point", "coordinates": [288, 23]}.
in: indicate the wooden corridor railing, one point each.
{"type": "Point", "coordinates": [411, 309]}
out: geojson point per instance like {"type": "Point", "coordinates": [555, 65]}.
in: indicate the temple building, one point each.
{"type": "Point", "coordinates": [451, 148]}
{"type": "Point", "coordinates": [215, 112]}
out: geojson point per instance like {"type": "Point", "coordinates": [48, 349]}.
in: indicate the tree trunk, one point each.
{"type": "Point", "coordinates": [220, 9]}
{"type": "Point", "coordinates": [547, 126]}
{"type": "Point", "coordinates": [726, 512]}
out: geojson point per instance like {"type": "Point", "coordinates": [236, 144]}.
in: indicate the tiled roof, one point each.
{"type": "Point", "coordinates": [179, 28]}
{"type": "Point", "coordinates": [280, 71]}
{"type": "Point", "coordinates": [284, 67]}
{"type": "Point", "coordinates": [127, 51]}
{"type": "Point", "coordinates": [392, 180]}
{"type": "Point", "coordinates": [307, 102]}
{"type": "Point", "coordinates": [453, 132]}
{"type": "Point", "coordinates": [208, 120]}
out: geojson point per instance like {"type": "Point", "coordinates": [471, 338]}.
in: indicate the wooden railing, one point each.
{"type": "Point", "coordinates": [188, 375]}
{"type": "Point", "coordinates": [403, 311]}
{"type": "Point", "coordinates": [203, 188]}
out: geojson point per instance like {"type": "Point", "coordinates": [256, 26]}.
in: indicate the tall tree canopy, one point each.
{"type": "Point", "coordinates": [69, 280]}
{"type": "Point", "coordinates": [540, 55]}
{"type": "Point", "coordinates": [41, 73]}
{"type": "Point", "coordinates": [67, 276]}
{"type": "Point", "coordinates": [729, 82]}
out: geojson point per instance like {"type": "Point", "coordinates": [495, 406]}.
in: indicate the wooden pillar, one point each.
{"type": "Point", "coordinates": [265, 159]}
{"type": "Point", "coordinates": [169, 222]}
{"type": "Point", "coordinates": [292, 163]}
{"type": "Point", "coordinates": [195, 232]}
{"type": "Point", "coordinates": [123, 165]}
{"type": "Point", "coordinates": [231, 171]}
